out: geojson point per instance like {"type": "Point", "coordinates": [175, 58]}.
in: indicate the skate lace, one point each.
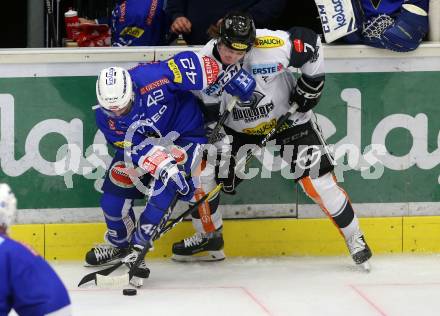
{"type": "Point", "coordinates": [194, 240]}
{"type": "Point", "coordinates": [105, 251]}
{"type": "Point", "coordinates": [356, 243]}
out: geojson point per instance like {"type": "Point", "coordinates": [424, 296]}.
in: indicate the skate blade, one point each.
{"type": "Point", "coordinates": [366, 266]}
{"type": "Point", "coordinates": [210, 256]}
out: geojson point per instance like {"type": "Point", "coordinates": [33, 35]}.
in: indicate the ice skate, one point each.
{"type": "Point", "coordinates": [359, 250]}
{"type": "Point", "coordinates": [200, 247]}
{"type": "Point", "coordinates": [141, 272]}
{"type": "Point", "coordinates": [104, 254]}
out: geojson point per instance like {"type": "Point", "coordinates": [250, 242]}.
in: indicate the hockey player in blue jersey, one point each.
{"type": "Point", "coordinates": [398, 25]}
{"type": "Point", "coordinates": [28, 284]}
{"type": "Point", "coordinates": [155, 124]}
{"type": "Point", "coordinates": [136, 23]}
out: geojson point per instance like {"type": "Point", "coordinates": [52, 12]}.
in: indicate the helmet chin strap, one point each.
{"type": "Point", "coordinates": [127, 108]}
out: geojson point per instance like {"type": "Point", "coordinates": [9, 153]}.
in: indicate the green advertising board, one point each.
{"type": "Point", "coordinates": [396, 112]}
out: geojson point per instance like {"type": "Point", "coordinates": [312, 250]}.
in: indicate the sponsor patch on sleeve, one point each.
{"type": "Point", "coordinates": [298, 45]}
{"type": "Point", "coordinates": [211, 69]}
{"type": "Point", "coordinates": [176, 71]}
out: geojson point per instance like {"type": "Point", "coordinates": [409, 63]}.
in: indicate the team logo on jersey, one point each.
{"type": "Point", "coordinates": [119, 175]}
{"type": "Point", "coordinates": [154, 85]}
{"type": "Point", "coordinates": [266, 69]}
{"type": "Point", "coordinates": [251, 110]}
{"type": "Point", "coordinates": [132, 31]}
{"type": "Point", "coordinates": [176, 71]}
{"type": "Point", "coordinates": [211, 69]}
{"type": "Point", "coordinates": [253, 102]}
{"type": "Point", "coordinates": [268, 42]}
{"type": "Point", "coordinates": [262, 128]}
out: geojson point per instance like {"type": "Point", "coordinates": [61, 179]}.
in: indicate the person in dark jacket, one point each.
{"type": "Point", "coordinates": [193, 18]}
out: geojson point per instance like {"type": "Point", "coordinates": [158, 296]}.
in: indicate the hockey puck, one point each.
{"type": "Point", "coordinates": [129, 292]}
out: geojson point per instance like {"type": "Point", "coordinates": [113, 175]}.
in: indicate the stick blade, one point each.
{"type": "Point", "coordinates": [92, 276]}
{"type": "Point", "coordinates": [112, 281]}
{"type": "Point", "coordinates": [87, 278]}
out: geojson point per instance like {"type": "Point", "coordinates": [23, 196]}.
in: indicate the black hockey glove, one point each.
{"type": "Point", "coordinates": [307, 92]}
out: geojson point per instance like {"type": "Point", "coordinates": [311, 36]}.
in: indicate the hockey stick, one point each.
{"type": "Point", "coordinates": [223, 118]}
{"type": "Point", "coordinates": [54, 32]}
{"type": "Point", "coordinates": [94, 276]}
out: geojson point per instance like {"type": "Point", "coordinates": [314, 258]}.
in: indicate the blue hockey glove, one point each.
{"type": "Point", "coordinates": [408, 31]}
{"type": "Point", "coordinates": [241, 85]}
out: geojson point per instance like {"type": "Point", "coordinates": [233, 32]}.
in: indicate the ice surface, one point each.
{"type": "Point", "coordinates": [397, 286]}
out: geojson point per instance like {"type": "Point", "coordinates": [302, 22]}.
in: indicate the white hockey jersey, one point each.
{"type": "Point", "coordinates": [268, 61]}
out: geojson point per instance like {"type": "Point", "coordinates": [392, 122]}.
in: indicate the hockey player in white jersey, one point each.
{"type": "Point", "coordinates": [267, 55]}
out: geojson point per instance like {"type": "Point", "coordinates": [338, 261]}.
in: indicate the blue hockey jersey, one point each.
{"type": "Point", "coordinates": [162, 102]}
{"type": "Point", "coordinates": [28, 284]}
{"type": "Point", "coordinates": [138, 23]}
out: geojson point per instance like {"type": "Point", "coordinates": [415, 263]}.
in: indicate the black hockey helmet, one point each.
{"type": "Point", "coordinates": [237, 31]}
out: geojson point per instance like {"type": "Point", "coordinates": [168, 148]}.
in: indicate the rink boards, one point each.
{"type": "Point", "coordinates": [254, 237]}
{"type": "Point", "coordinates": [379, 111]}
